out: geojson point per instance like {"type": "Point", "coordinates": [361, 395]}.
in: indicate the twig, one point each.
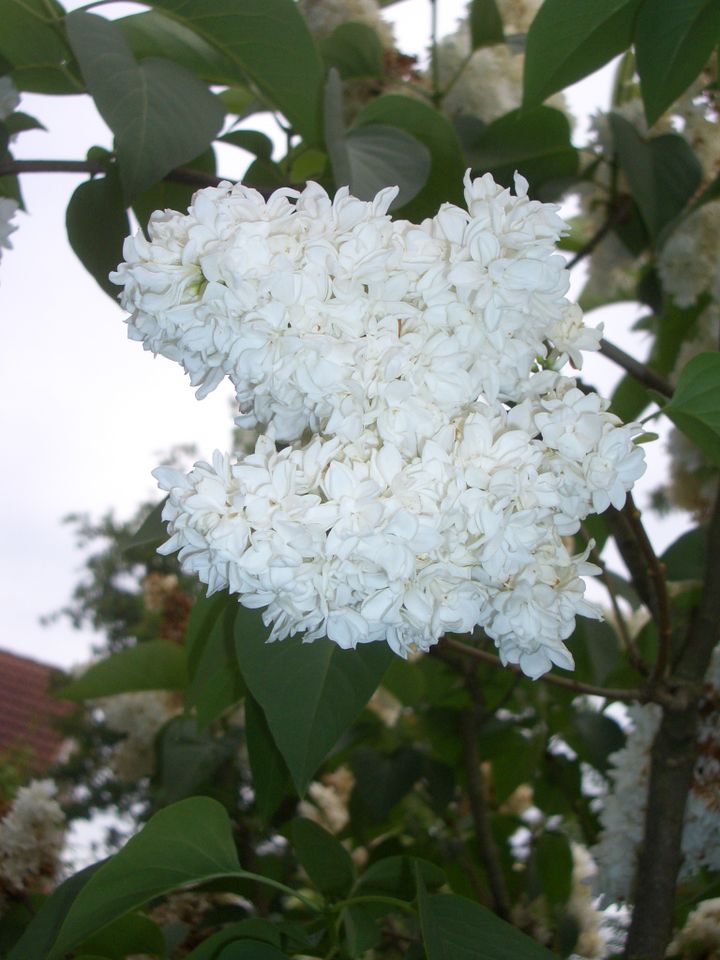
{"type": "Point", "coordinates": [638, 371]}
{"type": "Point", "coordinates": [194, 178]}
{"type": "Point", "coordinates": [617, 214]}
{"type": "Point", "coordinates": [657, 577]}
{"type": "Point", "coordinates": [633, 653]}
{"type": "Point", "coordinates": [610, 693]}
{"type": "Point", "coordinates": [673, 760]}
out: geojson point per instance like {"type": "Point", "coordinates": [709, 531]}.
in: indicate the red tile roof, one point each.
{"type": "Point", "coordinates": [27, 710]}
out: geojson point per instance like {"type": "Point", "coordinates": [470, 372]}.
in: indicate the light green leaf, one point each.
{"type": "Point", "coordinates": [695, 406]}
{"type": "Point", "coordinates": [663, 173]}
{"type": "Point", "coordinates": [97, 225]}
{"type": "Point", "coordinates": [151, 665]}
{"type": "Point", "coordinates": [152, 34]}
{"type": "Point", "coordinates": [454, 928]}
{"type": "Point", "coordinates": [431, 128]}
{"type": "Point", "coordinates": [162, 116]}
{"type": "Point", "coordinates": [568, 40]}
{"type": "Point", "coordinates": [270, 777]}
{"type": "Point", "coordinates": [310, 693]}
{"type": "Point", "coordinates": [486, 26]}
{"type": "Point", "coordinates": [269, 42]}
{"type": "Point", "coordinates": [534, 142]}
{"type": "Point", "coordinates": [354, 50]}
{"type": "Point", "coordinates": [215, 681]}
{"type": "Point", "coordinates": [323, 857]}
{"type": "Point", "coordinates": [186, 843]}
{"type": "Point", "coordinates": [31, 41]}
{"type": "Point", "coordinates": [673, 42]}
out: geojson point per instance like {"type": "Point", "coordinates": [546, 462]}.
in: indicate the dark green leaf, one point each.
{"type": "Point", "coordinates": [663, 173]}
{"type": "Point", "coordinates": [97, 225]}
{"type": "Point", "coordinates": [30, 39]}
{"type": "Point", "coordinates": [486, 26]}
{"type": "Point", "coordinates": [568, 40]}
{"type": "Point", "coordinates": [594, 736]}
{"type": "Point", "coordinates": [151, 665]}
{"type": "Point", "coordinates": [19, 122]}
{"type": "Point", "coordinates": [161, 114]}
{"type": "Point", "coordinates": [535, 143]}
{"type": "Point", "coordinates": [187, 760]}
{"type": "Point", "coordinates": [396, 877]}
{"type": "Point", "coordinates": [629, 399]}
{"type": "Point", "coordinates": [595, 649]}
{"type": "Point", "coordinates": [251, 140]}
{"type": "Point", "coordinates": [269, 42]}
{"type": "Point", "coordinates": [152, 34]}
{"type": "Point", "coordinates": [673, 42]}
{"type": "Point", "coordinates": [251, 950]}
{"type": "Point", "coordinates": [324, 859]}
{"type": "Point", "coordinates": [354, 50]}
{"type": "Point", "coordinates": [42, 931]}
{"type": "Point", "coordinates": [215, 681]}
{"type": "Point", "coordinates": [361, 929]}
{"type": "Point", "coordinates": [187, 843]}
{"type": "Point", "coordinates": [253, 928]}
{"type": "Point", "coordinates": [169, 195]}
{"type": "Point", "coordinates": [152, 531]}
{"type": "Point", "coordinates": [270, 777]}
{"type": "Point", "coordinates": [264, 173]}
{"type": "Point", "coordinates": [431, 128]}
{"type": "Point", "coordinates": [686, 557]}
{"type": "Point", "coordinates": [695, 406]}
{"type": "Point", "coordinates": [381, 782]}
{"type": "Point", "coordinates": [310, 693]}
{"type": "Point", "coordinates": [454, 928]}
{"type": "Point", "coordinates": [133, 933]}
{"type": "Point", "coordinates": [552, 864]}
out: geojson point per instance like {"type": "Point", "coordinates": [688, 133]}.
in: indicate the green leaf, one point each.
{"type": "Point", "coordinates": [381, 782]}
{"type": "Point", "coordinates": [150, 665]}
{"type": "Point", "coordinates": [629, 399]}
{"type": "Point", "coordinates": [97, 225]}
{"type": "Point", "coordinates": [568, 40]}
{"type": "Point", "coordinates": [269, 42]}
{"type": "Point", "coordinates": [552, 864]}
{"type": "Point", "coordinates": [251, 140]}
{"type": "Point", "coordinates": [594, 736]}
{"type": "Point", "coordinates": [354, 50]}
{"type": "Point", "coordinates": [372, 157]}
{"type": "Point", "coordinates": [168, 195]}
{"type": "Point", "coordinates": [152, 531]}
{"type": "Point", "coordinates": [486, 26]}
{"type": "Point", "coordinates": [270, 777]}
{"type": "Point", "coordinates": [686, 557]}
{"type": "Point", "coordinates": [253, 928]}
{"type": "Point", "coordinates": [161, 114]}
{"type": "Point", "coordinates": [534, 142]}
{"type": "Point", "coordinates": [215, 681]}
{"type": "Point", "coordinates": [455, 928]}
{"type": "Point", "coordinates": [187, 760]}
{"type": "Point", "coordinates": [695, 406]}
{"type": "Point", "coordinates": [595, 649]}
{"type": "Point", "coordinates": [362, 930]}
{"type": "Point", "coordinates": [663, 173]}
{"type": "Point", "coordinates": [32, 41]}
{"type": "Point", "coordinates": [251, 950]}
{"type": "Point", "coordinates": [324, 859]}
{"type": "Point", "coordinates": [673, 42]}
{"type": "Point", "coordinates": [186, 843]}
{"type": "Point", "coordinates": [396, 877]}
{"type": "Point", "coordinates": [43, 929]}
{"type": "Point", "coordinates": [431, 128]}
{"type": "Point", "coordinates": [310, 693]}
{"type": "Point", "coordinates": [133, 933]}
{"type": "Point", "coordinates": [152, 34]}
{"type": "Point", "coordinates": [20, 122]}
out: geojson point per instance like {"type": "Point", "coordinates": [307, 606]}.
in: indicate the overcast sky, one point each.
{"type": "Point", "coordinates": [86, 413]}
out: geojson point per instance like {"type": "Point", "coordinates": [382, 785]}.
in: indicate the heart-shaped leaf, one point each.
{"type": "Point", "coordinates": [695, 406]}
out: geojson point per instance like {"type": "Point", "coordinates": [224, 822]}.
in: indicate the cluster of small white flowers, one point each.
{"type": "Point", "coordinates": [590, 943]}
{"type": "Point", "coordinates": [9, 98]}
{"type": "Point", "coordinates": [324, 16]}
{"type": "Point", "coordinates": [700, 937]}
{"type": "Point", "coordinates": [139, 716]}
{"type": "Point", "coordinates": [447, 468]}
{"type": "Point", "coordinates": [329, 800]}
{"type": "Point", "coordinates": [689, 263]}
{"type": "Point", "coordinates": [31, 837]}
{"type": "Point", "coordinates": [623, 811]}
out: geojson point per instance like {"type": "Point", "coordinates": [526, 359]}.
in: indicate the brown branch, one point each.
{"type": "Point", "coordinates": [610, 693]}
{"type": "Point", "coordinates": [673, 760]}
{"type": "Point", "coordinates": [193, 178]}
{"type": "Point", "coordinates": [638, 371]}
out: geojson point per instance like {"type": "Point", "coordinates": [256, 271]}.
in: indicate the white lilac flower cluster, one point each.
{"type": "Point", "coordinates": [138, 716]}
{"type": "Point", "coordinates": [699, 939]}
{"type": "Point", "coordinates": [622, 814]}
{"type": "Point", "coordinates": [447, 465]}
{"type": "Point", "coordinates": [31, 838]}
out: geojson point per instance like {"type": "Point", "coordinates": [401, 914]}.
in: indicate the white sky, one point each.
{"type": "Point", "coordinates": [86, 413]}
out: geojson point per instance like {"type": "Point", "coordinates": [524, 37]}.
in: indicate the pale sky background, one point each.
{"type": "Point", "coordinates": [87, 414]}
